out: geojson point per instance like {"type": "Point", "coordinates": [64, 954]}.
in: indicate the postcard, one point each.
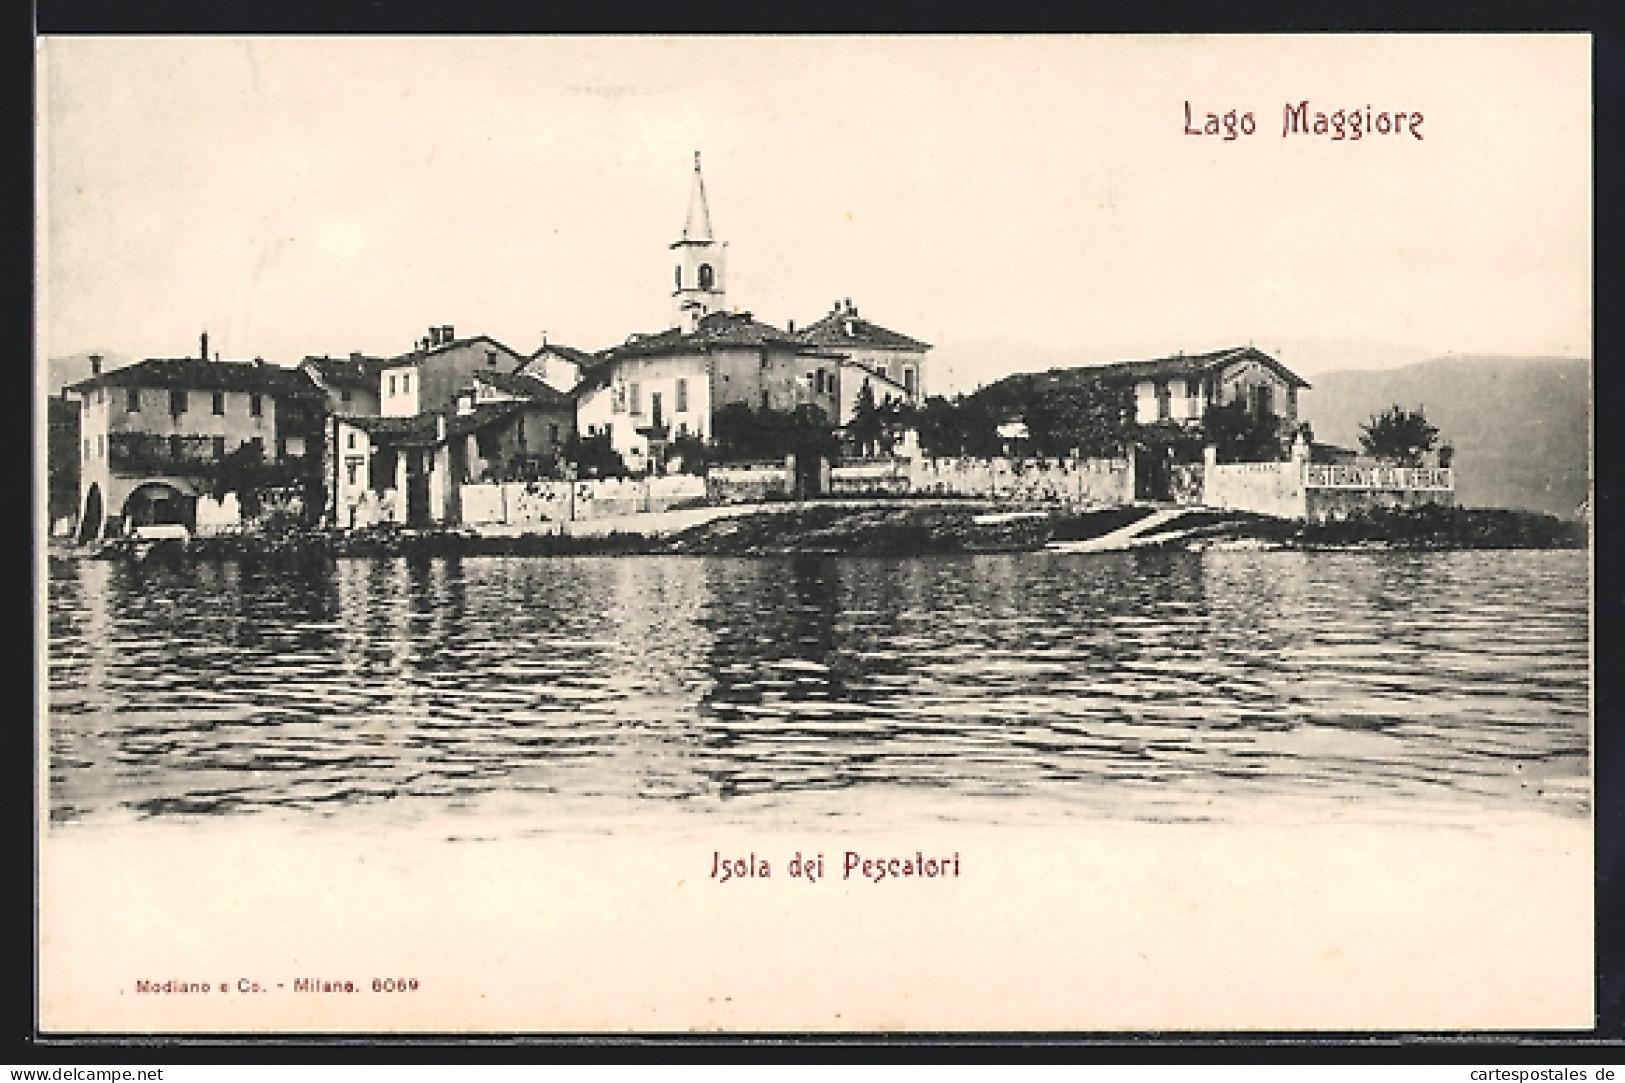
{"type": "Point", "coordinates": [815, 534]}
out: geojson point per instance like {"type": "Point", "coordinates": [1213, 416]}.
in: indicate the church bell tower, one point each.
{"type": "Point", "coordinates": [699, 262]}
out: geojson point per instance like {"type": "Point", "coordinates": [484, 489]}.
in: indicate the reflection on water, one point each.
{"type": "Point", "coordinates": [1111, 683]}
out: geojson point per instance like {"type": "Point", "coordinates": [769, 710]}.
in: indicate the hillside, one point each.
{"type": "Point", "coordinates": [1521, 425]}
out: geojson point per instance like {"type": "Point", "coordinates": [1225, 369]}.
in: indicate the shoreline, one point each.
{"type": "Point", "coordinates": [896, 528]}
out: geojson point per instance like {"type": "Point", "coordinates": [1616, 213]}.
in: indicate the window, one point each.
{"type": "Point", "coordinates": [217, 403]}
{"type": "Point", "coordinates": [406, 383]}
{"type": "Point", "coordinates": [101, 446]}
{"type": "Point", "coordinates": [219, 448]}
{"type": "Point", "coordinates": [176, 448]}
{"type": "Point", "coordinates": [132, 400]}
{"type": "Point", "coordinates": [256, 404]}
{"type": "Point", "coordinates": [100, 396]}
{"type": "Point", "coordinates": [637, 399]}
{"type": "Point", "coordinates": [818, 381]}
{"type": "Point", "coordinates": [351, 466]}
{"type": "Point", "coordinates": [349, 441]}
{"type": "Point", "coordinates": [345, 395]}
{"type": "Point", "coordinates": [491, 358]}
{"type": "Point", "coordinates": [682, 396]}
{"type": "Point", "coordinates": [87, 447]}
{"type": "Point", "coordinates": [908, 381]}
{"type": "Point", "coordinates": [392, 385]}
{"type": "Point", "coordinates": [553, 434]}
{"type": "Point", "coordinates": [706, 277]}
{"type": "Point", "coordinates": [764, 398]}
{"type": "Point", "coordinates": [177, 402]}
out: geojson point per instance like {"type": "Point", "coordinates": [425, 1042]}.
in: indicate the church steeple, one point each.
{"type": "Point", "coordinates": [697, 227]}
{"type": "Point", "coordinates": [699, 260]}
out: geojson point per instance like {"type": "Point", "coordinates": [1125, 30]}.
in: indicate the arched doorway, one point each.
{"type": "Point", "coordinates": [90, 521]}
{"type": "Point", "coordinates": [159, 504]}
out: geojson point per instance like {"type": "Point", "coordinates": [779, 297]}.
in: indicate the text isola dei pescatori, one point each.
{"type": "Point", "coordinates": [1337, 125]}
{"type": "Point", "coordinates": [854, 865]}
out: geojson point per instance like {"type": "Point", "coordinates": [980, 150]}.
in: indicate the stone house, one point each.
{"type": "Point", "coordinates": [152, 434]}
{"type": "Point", "coordinates": [894, 362]}
{"type": "Point", "coordinates": [430, 377]}
{"type": "Point", "coordinates": [1180, 388]}
{"type": "Point", "coordinates": [657, 388]}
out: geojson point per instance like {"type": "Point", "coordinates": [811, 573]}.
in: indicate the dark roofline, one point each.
{"type": "Point", "coordinates": [416, 357]}
{"type": "Point", "coordinates": [195, 373]}
{"type": "Point", "coordinates": [1154, 367]}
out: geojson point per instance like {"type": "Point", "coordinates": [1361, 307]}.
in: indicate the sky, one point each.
{"type": "Point", "coordinates": [298, 196]}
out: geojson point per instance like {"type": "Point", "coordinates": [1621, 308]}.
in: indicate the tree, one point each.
{"type": "Point", "coordinates": [1241, 435]}
{"type": "Point", "coordinates": [1399, 435]}
{"type": "Point", "coordinates": [867, 424]}
{"type": "Point", "coordinates": [595, 457]}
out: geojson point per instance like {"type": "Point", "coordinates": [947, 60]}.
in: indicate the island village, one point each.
{"type": "Point", "coordinates": [717, 416]}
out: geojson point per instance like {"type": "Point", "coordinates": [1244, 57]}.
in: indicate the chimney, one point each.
{"type": "Point", "coordinates": [791, 326]}
{"type": "Point", "coordinates": [95, 364]}
{"type": "Point", "coordinates": [355, 355]}
{"type": "Point", "coordinates": [434, 337]}
{"type": "Point", "coordinates": [446, 334]}
{"type": "Point", "coordinates": [850, 311]}
{"type": "Point", "coordinates": [834, 308]}
{"type": "Point", "coordinates": [203, 346]}
{"type": "Point", "coordinates": [544, 340]}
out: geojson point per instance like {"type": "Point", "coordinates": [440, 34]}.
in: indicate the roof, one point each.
{"type": "Point", "coordinates": [517, 383]}
{"type": "Point", "coordinates": [196, 374]}
{"type": "Point", "coordinates": [871, 374]}
{"type": "Point", "coordinates": [697, 226]}
{"type": "Point", "coordinates": [356, 371]}
{"type": "Point", "coordinates": [715, 329]}
{"type": "Point", "coordinates": [569, 353]}
{"type": "Point", "coordinates": [400, 428]}
{"type": "Point", "coordinates": [1201, 364]}
{"type": "Point", "coordinates": [483, 414]}
{"type": "Point", "coordinates": [416, 357]}
{"type": "Point", "coordinates": [848, 329]}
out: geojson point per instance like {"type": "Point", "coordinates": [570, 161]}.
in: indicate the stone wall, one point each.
{"type": "Point", "coordinates": [882, 477]}
{"type": "Point", "coordinates": [519, 503]}
{"type": "Point", "coordinates": [1266, 488]}
{"type": "Point", "coordinates": [747, 483]}
{"type": "Point", "coordinates": [1027, 481]}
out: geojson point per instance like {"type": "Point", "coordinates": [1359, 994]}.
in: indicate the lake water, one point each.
{"type": "Point", "coordinates": [1145, 686]}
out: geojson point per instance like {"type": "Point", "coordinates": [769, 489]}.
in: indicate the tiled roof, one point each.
{"type": "Point", "coordinates": [880, 379]}
{"type": "Point", "coordinates": [715, 329]}
{"type": "Point", "coordinates": [845, 329]}
{"type": "Point", "coordinates": [355, 371]}
{"type": "Point", "coordinates": [486, 413]}
{"type": "Point", "coordinates": [399, 428]}
{"type": "Point", "coordinates": [196, 374]}
{"type": "Point", "coordinates": [415, 357]}
{"type": "Point", "coordinates": [1201, 364]}
{"type": "Point", "coordinates": [530, 387]}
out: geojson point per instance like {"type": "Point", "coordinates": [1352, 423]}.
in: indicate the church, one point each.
{"type": "Point", "coordinates": [658, 388]}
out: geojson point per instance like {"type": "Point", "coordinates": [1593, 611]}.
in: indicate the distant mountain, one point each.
{"type": "Point", "coordinates": [61, 371]}
{"type": "Point", "coordinates": [1521, 426]}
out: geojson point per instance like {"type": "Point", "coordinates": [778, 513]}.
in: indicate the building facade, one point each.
{"type": "Point", "coordinates": [1181, 388]}
{"type": "Point", "coordinates": [153, 435]}
{"type": "Point", "coordinates": [429, 378]}
{"type": "Point", "coordinates": [898, 360]}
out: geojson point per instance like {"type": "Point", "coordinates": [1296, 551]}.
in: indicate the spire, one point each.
{"type": "Point", "coordinates": [698, 225]}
